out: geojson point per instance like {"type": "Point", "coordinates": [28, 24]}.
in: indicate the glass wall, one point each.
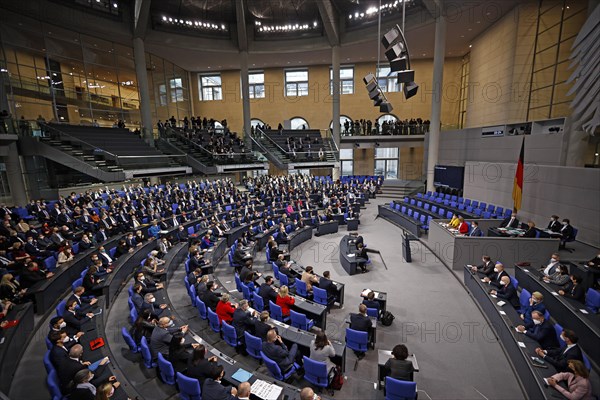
{"type": "Point", "coordinates": [386, 162]}
{"type": "Point", "coordinates": [64, 76]}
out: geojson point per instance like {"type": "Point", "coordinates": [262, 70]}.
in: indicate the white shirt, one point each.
{"type": "Point", "coordinates": [549, 267]}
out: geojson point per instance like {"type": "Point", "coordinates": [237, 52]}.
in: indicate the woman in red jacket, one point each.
{"type": "Point", "coordinates": [225, 309]}
{"type": "Point", "coordinates": [463, 227]}
{"type": "Point", "coordinates": [285, 301]}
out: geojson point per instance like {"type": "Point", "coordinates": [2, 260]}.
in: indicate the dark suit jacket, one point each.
{"type": "Point", "coordinates": [261, 329]}
{"type": "Point", "coordinates": [67, 371]}
{"type": "Point", "coordinates": [201, 371]}
{"type": "Point", "coordinates": [371, 303]}
{"type": "Point", "coordinates": [360, 322]}
{"type": "Point", "coordinates": [74, 322]}
{"type": "Point", "coordinates": [575, 292]}
{"type": "Point", "coordinates": [530, 233]}
{"type": "Point", "coordinates": [486, 269]}
{"type": "Point", "coordinates": [554, 226]}
{"type": "Point", "coordinates": [327, 284]}
{"type": "Point", "coordinates": [58, 355]}
{"type": "Point", "coordinates": [267, 293]}
{"type": "Point", "coordinates": [242, 321]}
{"type": "Point", "coordinates": [544, 334]}
{"type": "Point", "coordinates": [559, 358]}
{"type": "Point", "coordinates": [29, 278]}
{"type": "Point", "coordinates": [567, 232]}
{"type": "Point", "coordinates": [476, 232]}
{"type": "Point", "coordinates": [495, 278]}
{"type": "Point", "coordinates": [210, 299]}
{"type": "Point", "coordinates": [279, 353]}
{"type": "Point", "coordinates": [505, 223]}
{"type": "Point", "coordinates": [213, 390]}
{"type": "Point", "coordinates": [509, 293]}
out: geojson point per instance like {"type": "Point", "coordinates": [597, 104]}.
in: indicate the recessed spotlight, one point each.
{"type": "Point", "coordinates": [478, 22]}
{"type": "Point", "coordinates": [470, 45]}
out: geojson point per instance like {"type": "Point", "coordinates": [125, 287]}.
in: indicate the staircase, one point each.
{"type": "Point", "coordinates": [397, 189]}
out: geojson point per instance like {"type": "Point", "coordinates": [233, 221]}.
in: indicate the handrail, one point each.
{"type": "Point", "coordinates": [213, 154]}
{"type": "Point", "coordinates": [287, 153]}
{"type": "Point", "coordinates": [61, 133]}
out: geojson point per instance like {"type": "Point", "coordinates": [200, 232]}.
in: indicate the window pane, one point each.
{"type": "Point", "coordinates": [256, 78]}
{"type": "Point", "coordinates": [303, 89]}
{"type": "Point", "coordinates": [392, 169]}
{"type": "Point", "coordinates": [259, 91]}
{"type": "Point", "coordinates": [290, 89]}
{"type": "Point", "coordinates": [346, 154]}
{"type": "Point", "coordinates": [346, 73]}
{"type": "Point", "coordinates": [217, 94]}
{"type": "Point", "coordinates": [386, 152]}
{"type": "Point", "coordinates": [347, 87]}
{"type": "Point", "coordinates": [296, 76]}
{"type": "Point", "coordinates": [212, 80]}
{"type": "Point", "coordinates": [347, 167]}
{"type": "Point", "coordinates": [207, 94]}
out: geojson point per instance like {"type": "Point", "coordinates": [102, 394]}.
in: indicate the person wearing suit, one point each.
{"type": "Point", "coordinates": [475, 230]}
{"type": "Point", "coordinates": [507, 292]}
{"type": "Point", "coordinates": [198, 366]}
{"type": "Point", "coordinates": [370, 301]}
{"type": "Point", "coordinates": [531, 232]}
{"type": "Point", "coordinates": [75, 321]}
{"type": "Point", "coordinates": [261, 327]}
{"type": "Point", "coordinates": [327, 284]}
{"type": "Point", "coordinates": [276, 350]}
{"type": "Point", "coordinates": [74, 364]}
{"type": "Point", "coordinates": [486, 269]}
{"type": "Point", "coordinates": [536, 303]}
{"type": "Point", "coordinates": [360, 322]}
{"type": "Point", "coordinates": [243, 320]}
{"type": "Point", "coordinates": [149, 304]}
{"type": "Point", "coordinates": [510, 222]}
{"type": "Point", "coordinates": [209, 297]}
{"type": "Point", "coordinates": [554, 225]}
{"type": "Point", "coordinates": [162, 336]}
{"type": "Point", "coordinates": [542, 331]}
{"type": "Point", "coordinates": [179, 352]}
{"type": "Point", "coordinates": [266, 291]}
{"type": "Point", "coordinates": [499, 272]}
{"type": "Point", "coordinates": [101, 235]}
{"type": "Point", "coordinates": [552, 266]}
{"type": "Point", "coordinates": [398, 367]}
{"type": "Point", "coordinates": [212, 389]}
{"type": "Point", "coordinates": [567, 233]}
{"type": "Point", "coordinates": [559, 358]}
{"type": "Point", "coordinates": [561, 277]}
{"type": "Point", "coordinates": [574, 290]}
{"type": "Point", "coordinates": [182, 234]}
{"type": "Point", "coordinates": [577, 381]}
{"type": "Point", "coordinates": [59, 352]}
{"type": "Point", "coordinates": [85, 303]}
{"type": "Point", "coordinates": [148, 285]}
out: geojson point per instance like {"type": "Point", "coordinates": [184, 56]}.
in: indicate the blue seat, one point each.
{"type": "Point", "coordinates": [54, 385]}
{"type": "Point", "coordinates": [469, 209]}
{"type": "Point", "coordinates": [396, 389]}
{"type": "Point", "coordinates": [275, 271]}
{"type": "Point", "coordinates": [416, 215]}
{"type": "Point", "coordinates": [146, 355]}
{"type": "Point", "coordinates": [507, 213]}
{"type": "Point", "coordinates": [487, 215]}
{"type": "Point", "coordinates": [592, 300]}
{"type": "Point", "coordinates": [165, 368]}
{"type": "Point", "coordinates": [76, 283]}
{"type": "Point", "coordinates": [253, 346]}
{"type": "Point", "coordinates": [189, 388]}
{"type": "Point", "coordinates": [259, 303]}
{"type": "Point", "coordinates": [275, 370]}
{"type": "Point", "coordinates": [129, 340]}
{"type": "Point", "coordinates": [419, 195]}
{"type": "Point", "coordinates": [301, 288]}
{"type": "Point", "coordinates": [441, 212]}
{"type": "Point", "coordinates": [47, 362]}
{"type": "Point", "coordinates": [50, 263]}
{"type": "Point", "coordinates": [232, 264]}
{"type": "Point", "coordinates": [201, 309]}
{"type": "Point", "coordinates": [357, 340]}
{"type": "Point", "coordinates": [133, 315]}
{"type": "Point", "coordinates": [320, 296]}
{"type": "Point", "coordinates": [514, 281]}
{"type": "Point", "coordinates": [276, 312]}
{"type": "Point", "coordinates": [559, 329]}
{"type": "Point", "coordinates": [61, 307]}
{"type": "Point", "coordinates": [247, 293]}
{"type": "Point", "coordinates": [403, 210]}
{"type": "Point", "coordinates": [48, 343]}
{"type": "Point", "coordinates": [192, 294]}
{"type": "Point", "coordinates": [482, 206]}
{"type": "Point", "coordinates": [316, 372]}
{"type": "Point", "coordinates": [419, 204]}
{"type": "Point", "coordinates": [586, 362]}
{"type": "Point", "coordinates": [499, 211]}
{"type": "Point", "coordinates": [467, 202]}
{"type": "Point", "coordinates": [190, 230]}
{"type": "Point", "coordinates": [410, 212]}
{"type": "Point", "coordinates": [449, 214]}
{"type": "Point", "coordinates": [491, 208]}
{"type": "Point", "coordinates": [477, 212]}
{"type": "Point", "coordinates": [213, 320]}
{"type": "Point", "coordinates": [283, 280]}
{"type": "Point", "coordinates": [75, 248]}
{"type": "Point", "coordinates": [434, 209]}
{"type": "Point", "coordinates": [461, 207]}
{"type": "Point", "coordinates": [426, 206]}
{"type": "Point", "coordinates": [373, 312]}
{"type": "Point", "coordinates": [524, 299]}
{"type": "Point", "coordinates": [475, 204]}
{"type": "Point", "coordinates": [299, 320]}
{"type": "Point", "coordinates": [454, 198]}
{"type": "Point", "coordinates": [229, 334]}
{"type": "Point", "coordinates": [238, 282]}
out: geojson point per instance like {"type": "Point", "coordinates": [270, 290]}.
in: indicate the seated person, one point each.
{"type": "Point", "coordinates": [463, 227]}
{"type": "Point", "coordinates": [574, 289]}
{"type": "Point", "coordinates": [156, 310]}
{"type": "Point", "coordinates": [370, 301]}
{"type": "Point", "coordinates": [531, 232]}
{"type": "Point", "coordinates": [510, 222]}
{"type": "Point", "coordinates": [554, 225]}
{"type": "Point", "coordinates": [499, 272]}
{"type": "Point", "coordinates": [542, 331]}
{"type": "Point", "coordinates": [321, 350]}
{"type": "Point", "coordinates": [85, 303]}
{"type": "Point", "coordinates": [225, 309]}
{"type": "Point", "coordinates": [209, 297]}
{"type": "Point", "coordinates": [475, 230]}
{"type": "Point", "coordinates": [578, 382]}
{"type": "Point", "coordinates": [486, 269]}
{"type": "Point", "coordinates": [552, 266]}
{"type": "Point", "coordinates": [160, 340]}
{"type": "Point", "coordinates": [179, 352]}
{"type": "Point", "coordinates": [561, 277]}
{"type": "Point", "coordinates": [507, 292]}
{"type": "Point", "coordinates": [309, 277]}
{"type": "Point", "coordinates": [398, 367]}
{"type": "Point", "coordinates": [266, 290]}
{"type": "Point", "coordinates": [198, 366]}
{"type": "Point", "coordinates": [276, 350]}
{"type": "Point", "coordinates": [261, 326]}
{"type": "Point", "coordinates": [560, 357]}
{"type": "Point", "coordinates": [212, 389]}
{"type": "Point", "coordinates": [567, 233]}
{"type": "Point", "coordinates": [360, 322]}
{"type": "Point", "coordinates": [285, 301]}
{"type": "Point", "coordinates": [454, 222]}
{"type": "Point", "coordinates": [143, 326]}
{"type": "Point", "coordinates": [327, 284]}
{"type": "Point", "coordinates": [536, 303]}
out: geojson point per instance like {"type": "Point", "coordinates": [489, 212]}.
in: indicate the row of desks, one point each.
{"type": "Point", "coordinates": [397, 218]}
{"type": "Point", "coordinates": [348, 257]}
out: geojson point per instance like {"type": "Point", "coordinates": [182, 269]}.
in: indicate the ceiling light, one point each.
{"type": "Point", "coordinates": [470, 45]}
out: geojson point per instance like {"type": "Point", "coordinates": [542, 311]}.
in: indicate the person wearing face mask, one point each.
{"type": "Point", "coordinates": [84, 388]}
{"type": "Point", "coordinates": [162, 335]}
{"type": "Point", "coordinates": [212, 389]}
{"type": "Point", "coordinates": [577, 381]}
{"type": "Point", "coordinates": [85, 243]}
{"type": "Point", "coordinates": [32, 275]}
{"type": "Point", "coordinates": [542, 331]}
{"type": "Point", "coordinates": [180, 352]}
{"type": "Point", "coordinates": [574, 289]}
{"type": "Point", "coordinates": [560, 277]}
{"type": "Point", "coordinates": [560, 358]}
{"type": "Point", "coordinates": [59, 351]}
{"type": "Point", "coordinates": [150, 305]}
{"type": "Point", "coordinates": [536, 303]}
{"type": "Point", "coordinates": [74, 364]}
{"type": "Point", "coordinates": [148, 285]}
{"type": "Point", "coordinates": [507, 292]}
{"type": "Point", "coordinates": [566, 232]}
{"type": "Point", "coordinates": [499, 272]}
{"type": "Point", "coordinates": [75, 321]}
{"type": "Point", "coordinates": [58, 324]}
{"type": "Point", "coordinates": [554, 225]}
{"type": "Point", "coordinates": [552, 266]}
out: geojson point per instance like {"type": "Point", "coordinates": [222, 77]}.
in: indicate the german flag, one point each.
{"type": "Point", "coordinates": [517, 193]}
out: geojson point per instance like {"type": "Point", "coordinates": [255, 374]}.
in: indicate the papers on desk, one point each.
{"type": "Point", "coordinates": [241, 375]}
{"type": "Point", "coordinates": [526, 270]}
{"type": "Point", "coordinates": [351, 255]}
{"type": "Point", "coordinates": [501, 303]}
{"type": "Point", "coordinates": [584, 311]}
{"type": "Point", "coordinates": [518, 331]}
{"type": "Point", "coordinates": [494, 296]}
{"type": "Point", "coordinates": [501, 312]}
{"type": "Point", "coordinates": [366, 292]}
{"type": "Point", "coordinates": [555, 294]}
{"type": "Point", "coordinates": [521, 344]}
{"type": "Point", "coordinates": [265, 390]}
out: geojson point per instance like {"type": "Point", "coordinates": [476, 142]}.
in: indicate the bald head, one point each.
{"type": "Point", "coordinates": [307, 394]}
{"type": "Point", "coordinates": [244, 389]}
{"type": "Point", "coordinates": [164, 321]}
{"type": "Point", "coordinates": [76, 351]}
{"type": "Point", "coordinates": [271, 335]}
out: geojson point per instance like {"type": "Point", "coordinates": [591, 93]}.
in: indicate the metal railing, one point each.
{"type": "Point", "coordinates": [392, 130]}
{"type": "Point", "coordinates": [290, 154]}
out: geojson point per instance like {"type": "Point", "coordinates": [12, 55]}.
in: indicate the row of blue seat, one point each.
{"type": "Point", "coordinates": [471, 206]}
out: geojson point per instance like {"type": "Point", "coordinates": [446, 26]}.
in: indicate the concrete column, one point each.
{"type": "Point", "coordinates": [436, 102]}
{"type": "Point", "coordinates": [335, 66]}
{"type": "Point", "coordinates": [139, 56]}
{"type": "Point", "coordinates": [14, 174]}
{"type": "Point", "coordinates": [245, 98]}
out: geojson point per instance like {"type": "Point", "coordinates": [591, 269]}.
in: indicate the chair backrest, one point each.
{"type": "Point", "coordinates": [50, 263]}
{"type": "Point", "coordinates": [272, 367]}
{"type": "Point", "coordinates": [253, 345]}
{"type": "Point", "coordinates": [275, 311]}
{"type": "Point", "coordinates": [298, 320]}
{"type": "Point", "coordinates": [246, 292]}
{"type": "Point", "coordinates": [146, 355]}
{"type": "Point", "coordinates": [54, 385]}
{"type": "Point", "coordinates": [229, 334]}
{"type": "Point", "coordinates": [592, 300]}
{"type": "Point", "coordinates": [47, 362]}
{"type": "Point", "coordinates": [129, 340]}
{"type": "Point", "coordinates": [373, 312]}
{"type": "Point", "coordinates": [167, 373]}
{"type": "Point", "coordinates": [61, 307]}
{"type": "Point", "coordinates": [434, 209]}
{"type": "Point", "coordinates": [524, 298]}
{"type": "Point", "coordinates": [301, 288]}
{"type": "Point", "coordinates": [133, 315]}
{"type": "Point", "coordinates": [238, 283]}
{"type": "Point", "coordinates": [399, 390]}
{"type": "Point", "coordinates": [316, 372]}
{"type": "Point", "coordinates": [586, 361]}
{"type": "Point", "coordinates": [357, 340]}
{"type": "Point", "coordinates": [283, 280]}
{"type": "Point", "coordinates": [259, 303]}
{"type": "Point", "coordinates": [189, 388]}
{"type": "Point", "coordinates": [514, 281]}
{"type": "Point", "coordinates": [559, 329]}
{"type": "Point", "coordinates": [320, 296]}
{"type": "Point", "coordinates": [190, 230]}
{"type": "Point", "coordinates": [201, 308]}
{"type": "Point", "coordinates": [213, 320]}
{"type": "Point", "coordinates": [275, 270]}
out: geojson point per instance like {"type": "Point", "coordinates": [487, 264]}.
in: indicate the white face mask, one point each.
{"type": "Point", "coordinates": [495, 269]}
{"type": "Point", "coordinates": [502, 283]}
{"type": "Point", "coordinates": [62, 325]}
{"type": "Point", "coordinates": [182, 340]}
{"type": "Point", "coordinates": [537, 321]}
{"type": "Point", "coordinates": [142, 278]}
{"type": "Point", "coordinates": [171, 323]}
{"type": "Point", "coordinates": [553, 260]}
{"type": "Point", "coordinates": [66, 339]}
{"type": "Point", "coordinates": [152, 300]}
{"type": "Point", "coordinates": [564, 339]}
